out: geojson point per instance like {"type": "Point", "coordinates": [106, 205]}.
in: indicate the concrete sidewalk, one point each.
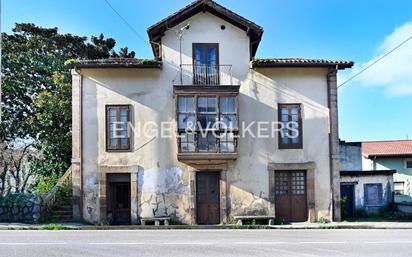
{"type": "Point", "coordinates": [302, 225]}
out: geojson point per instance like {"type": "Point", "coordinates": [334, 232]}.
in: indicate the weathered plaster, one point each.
{"type": "Point", "coordinates": [360, 181]}
{"type": "Point", "coordinates": [166, 186]}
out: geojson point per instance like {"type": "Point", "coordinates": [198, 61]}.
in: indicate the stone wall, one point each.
{"type": "Point", "coordinates": [20, 208]}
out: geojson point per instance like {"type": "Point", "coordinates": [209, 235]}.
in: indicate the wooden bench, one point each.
{"type": "Point", "coordinates": [156, 220]}
{"type": "Point", "coordinates": [240, 219]}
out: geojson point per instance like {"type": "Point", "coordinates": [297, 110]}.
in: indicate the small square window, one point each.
{"type": "Point", "coordinates": [408, 164]}
{"type": "Point", "coordinates": [399, 187]}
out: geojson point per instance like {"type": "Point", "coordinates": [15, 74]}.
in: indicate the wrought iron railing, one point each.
{"type": "Point", "coordinates": [206, 75]}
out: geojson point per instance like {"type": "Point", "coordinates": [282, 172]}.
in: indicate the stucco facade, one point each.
{"type": "Point", "coordinates": [402, 175]}
{"type": "Point", "coordinates": [359, 180]}
{"type": "Point", "coordinates": [165, 186]}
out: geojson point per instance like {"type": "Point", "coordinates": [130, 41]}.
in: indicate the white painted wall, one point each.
{"type": "Point", "coordinates": [385, 180]}
{"type": "Point", "coordinates": [164, 181]}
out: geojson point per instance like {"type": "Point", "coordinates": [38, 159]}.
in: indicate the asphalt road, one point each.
{"type": "Point", "coordinates": [238, 243]}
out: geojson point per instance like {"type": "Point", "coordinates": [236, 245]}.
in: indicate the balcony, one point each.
{"type": "Point", "coordinates": [192, 146]}
{"type": "Point", "coordinates": [207, 126]}
{"type": "Point", "coordinates": [205, 76]}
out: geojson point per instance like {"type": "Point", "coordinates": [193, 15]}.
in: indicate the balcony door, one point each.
{"type": "Point", "coordinates": [206, 64]}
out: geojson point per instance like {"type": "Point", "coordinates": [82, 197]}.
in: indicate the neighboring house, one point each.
{"type": "Point", "coordinates": [369, 190]}
{"type": "Point", "coordinates": [204, 71]}
{"type": "Point", "coordinates": [392, 155]}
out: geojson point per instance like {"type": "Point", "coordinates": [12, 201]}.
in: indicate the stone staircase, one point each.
{"type": "Point", "coordinates": [57, 204]}
{"type": "Point", "coordinates": [61, 213]}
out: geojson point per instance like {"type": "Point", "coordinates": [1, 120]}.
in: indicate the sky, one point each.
{"type": "Point", "coordinates": [376, 105]}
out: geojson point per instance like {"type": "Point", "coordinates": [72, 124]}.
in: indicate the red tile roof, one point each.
{"type": "Point", "coordinates": [387, 148]}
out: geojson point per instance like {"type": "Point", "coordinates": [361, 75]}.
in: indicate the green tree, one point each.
{"type": "Point", "coordinates": [36, 99]}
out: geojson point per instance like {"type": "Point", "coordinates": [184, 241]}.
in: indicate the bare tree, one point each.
{"type": "Point", "coordinates": [4, 166]}
{"type": "Point", "coordinates": [15, 171]}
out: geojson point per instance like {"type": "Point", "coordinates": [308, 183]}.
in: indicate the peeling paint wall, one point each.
{"type": "Point", "coordinates": [350, 156]}
{"type": "Point", "coordinates": [164, 183]}
{"type": "Point", "coordinates": [360, 181]}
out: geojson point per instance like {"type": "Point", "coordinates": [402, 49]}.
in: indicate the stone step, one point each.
{"type": "Point", "coordinates": [61, 217]}
{"type": "Point", "coordinates": [62, 212]}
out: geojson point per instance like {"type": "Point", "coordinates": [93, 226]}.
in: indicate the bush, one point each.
{"type": "Point", "coordinates": [16, 199]}
{"type": "Point", "coordinates": [45, 184]}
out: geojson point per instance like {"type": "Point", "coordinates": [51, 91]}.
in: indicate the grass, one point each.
{"type": "Point", "coordinates": [44, 227]}
{"type": "Point", "coordinates": [53, 226]}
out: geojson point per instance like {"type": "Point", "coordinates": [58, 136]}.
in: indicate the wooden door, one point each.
{"type": "Point", "coordinates": [120, 203]}
{"type": "Point", "coordinates": [290, 195]}
{"type": "Point", "coordinates": [206, 63]}
{"type": "Point", "coordinates": [207, 198]}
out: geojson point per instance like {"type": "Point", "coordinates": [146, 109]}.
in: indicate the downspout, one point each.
{"type": "Point", "coordinates": [335, 192]}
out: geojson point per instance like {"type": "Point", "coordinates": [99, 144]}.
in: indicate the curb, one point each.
{"type": "Point", "coordinates": [201, 227]}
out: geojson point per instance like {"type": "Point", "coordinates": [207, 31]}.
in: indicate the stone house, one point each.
{"type": "Point", "coordinates": [205, 72]}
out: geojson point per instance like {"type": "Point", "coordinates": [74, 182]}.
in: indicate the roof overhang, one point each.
{"type": "Point", "coordinates": [300, 63]}
{"type": "Point", "coordinates": [372, 156]}
{"type": "Point", "coordinates": [157, 30]}
{"type": "Point", "coordinates": [112, 63]}
{"type": "Point", "coordinates": [358, 173]}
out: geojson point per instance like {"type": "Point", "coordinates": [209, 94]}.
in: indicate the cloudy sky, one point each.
{"type": "Point", "coordinates": [376, 105]}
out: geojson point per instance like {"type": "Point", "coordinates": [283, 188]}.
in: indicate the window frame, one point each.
{"type": "Point", "coordinates": [380, 195]}
{"type": "Point", "coordinates": [205, 46]}
{"type": "Point", "coordinates": [290, 145]}
{"type": "Point", "coordinates": [406, 164]}
{"type": "Point", "coordinates": [110, 148]}
{"type": "Point", "coordinates": [403, 187]}
{"type": "Point", "coordinates": [194, 113]}
{"type": "Point", "coordinates": [217, 130]}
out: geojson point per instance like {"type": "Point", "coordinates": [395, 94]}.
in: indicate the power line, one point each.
{"type": "Point", "coordinates": [377, 60]}
{"type": "Point", "coordinates": [125, 22]}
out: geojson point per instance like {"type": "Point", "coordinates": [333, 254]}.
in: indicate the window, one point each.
{"type": "Point", "coordinates": [199, 115]}
{"type": "Point", "coordinates": [298, 183]}
{"type": "Point", "coordinates": [186, 112]}
{"type": "Point", "coordinates": [408, 164]}
{"type": "Point", "coordinates": [117, 129]}
{"type": "Point", "coordinates": [228, 112]}
{"type": "Point", "coordinates": [373, 194]}
{"type": "Point", "coordinates": [206, 64]}
{"type": "Point", "coordinates": [399, 188]}
{"type": "Point", "coordinates": [290, 124]}
{"type": "Point", "coordinates": [206, 112]}
{"type": "Point", "coordinates": [187, 142]}
{"type": "Point", "coordinates": [281, 183]}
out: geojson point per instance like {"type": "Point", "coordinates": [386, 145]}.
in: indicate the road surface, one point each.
{"type": "Point", "coordinates": [187, 243]}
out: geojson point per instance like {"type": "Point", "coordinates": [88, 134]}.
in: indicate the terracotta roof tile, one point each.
{"type": "Point", "coordinates": [116, 63]}
{"type": "Point", "coordinates": [299, 62]}
{"type": "Point", "coordinates": [387, 148]}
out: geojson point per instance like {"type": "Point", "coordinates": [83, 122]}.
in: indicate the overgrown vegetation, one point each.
{"type": "Point", "coordinates": [35, 131]}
